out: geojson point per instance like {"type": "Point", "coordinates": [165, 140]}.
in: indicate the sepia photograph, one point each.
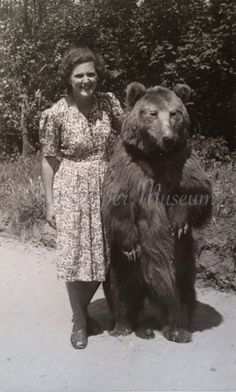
{"type": "Point", "coordinates": [117, 195]}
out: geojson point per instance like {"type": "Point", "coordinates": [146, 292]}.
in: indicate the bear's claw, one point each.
{"type": "Point", "coordinates": [181, 231]}
{"type": "Point", "coordinates": [134, 254]}
{"type": "Point", "coordinates": [122, 332]}
{"type": "Point", "coordinates": [145, 333]}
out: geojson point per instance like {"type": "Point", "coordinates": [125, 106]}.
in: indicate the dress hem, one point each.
{"type": "Point", "coordinates": [80, 280]}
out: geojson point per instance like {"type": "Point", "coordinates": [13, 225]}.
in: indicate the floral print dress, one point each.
{"type": "Point", "coordinates": [82, 144]}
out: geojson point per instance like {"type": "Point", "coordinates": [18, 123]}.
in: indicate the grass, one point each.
{"type": "Point", "coordinates": [217, 244]}
{"type": "Point", "coordinates": [21, 196]}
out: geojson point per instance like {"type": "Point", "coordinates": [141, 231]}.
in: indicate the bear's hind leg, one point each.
{"type": "Point", "coordinates": [176, 331]}
{"type": "Point", "coordinates": [175, 323]}
{"type": "Point", "coordinates": [126, 299]}
{"type": "Point", "coordinates": [173, 319]}
{"type": "Point", "coordinates": [185, 277]}
{"type": "Point", "coordinates": [178, 326]}
{"type": "Point", "coordinates": [127, 316]}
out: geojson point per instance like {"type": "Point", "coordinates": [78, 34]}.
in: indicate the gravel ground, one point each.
{"type": "Point", "coordinates": [36, 355]}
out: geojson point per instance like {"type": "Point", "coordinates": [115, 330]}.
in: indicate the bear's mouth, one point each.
{"type": "Point", "coordinates": [168, 144]}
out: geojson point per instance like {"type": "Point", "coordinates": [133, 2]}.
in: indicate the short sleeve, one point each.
{"type": "Point", "coordinates": [49, 133]}
{"type": "Point", "coordinates": [116, 113]}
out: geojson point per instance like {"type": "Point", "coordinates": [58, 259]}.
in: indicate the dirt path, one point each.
{"type": "Point", "coordinates": [36, 355]}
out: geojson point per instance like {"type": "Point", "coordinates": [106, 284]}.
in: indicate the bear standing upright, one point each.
{"type": "Point", "coordinates": [154, 193]}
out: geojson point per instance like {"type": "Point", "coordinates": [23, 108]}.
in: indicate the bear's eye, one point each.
{"type": "Point", "coordinates": [153, 113]}
{"type": "Point", "coordinates": [175, 114]}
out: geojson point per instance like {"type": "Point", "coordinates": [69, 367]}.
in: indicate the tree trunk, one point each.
{"type": "Point", "coordinates": [26, 147]}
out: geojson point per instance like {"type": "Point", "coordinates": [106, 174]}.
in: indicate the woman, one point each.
{"type": "Point", "coordinates": [77, 131]}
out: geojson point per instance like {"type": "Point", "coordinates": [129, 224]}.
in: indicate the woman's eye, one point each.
{"type": "Point", "coordinates": [88, 75]}
{"type": "Point", "coordinates": [153, 113]}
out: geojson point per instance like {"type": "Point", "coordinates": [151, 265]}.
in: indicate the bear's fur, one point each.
{"type": "Point", "coordinates": [154, 193]}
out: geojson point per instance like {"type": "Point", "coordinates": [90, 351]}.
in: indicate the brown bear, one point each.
{"type": "Point", "coordinates": [154, 193]}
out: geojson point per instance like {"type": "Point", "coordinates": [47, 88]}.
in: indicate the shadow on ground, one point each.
{"type": "Point", "coordinates": [206, 317]}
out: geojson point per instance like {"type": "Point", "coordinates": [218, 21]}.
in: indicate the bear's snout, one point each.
{"type": "Point", "coordinates": [168, 142]}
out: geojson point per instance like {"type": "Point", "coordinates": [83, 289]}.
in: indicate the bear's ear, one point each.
{"type": "Point", "coordinates": [134, 92]}
{"type": "Point", "coordinates": [183, 91]}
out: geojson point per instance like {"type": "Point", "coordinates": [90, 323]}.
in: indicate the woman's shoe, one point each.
{"type": "Point", "coordinates": [79, 339]}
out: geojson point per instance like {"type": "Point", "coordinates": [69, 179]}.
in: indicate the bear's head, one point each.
{"type": "Point", "coordinates": [157, 119]}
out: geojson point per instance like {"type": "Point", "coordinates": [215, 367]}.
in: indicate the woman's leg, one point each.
{"type": "Point", "coordinates": [79, 337]}
{"type": "Point", "coordinates": [89, 289]}
{"type": "Point", "coordinates": [75, 293]}
{"type": "Point", "coordinates": [80, 295]}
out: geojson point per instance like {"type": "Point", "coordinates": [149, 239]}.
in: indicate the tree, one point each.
{"type": "Point", "coordinates": [152, 41]}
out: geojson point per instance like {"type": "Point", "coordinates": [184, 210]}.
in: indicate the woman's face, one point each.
{"type": "Point", "coordinates": [83, 79]}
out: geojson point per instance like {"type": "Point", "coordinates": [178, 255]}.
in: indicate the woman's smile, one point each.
{"type": "Point", "coordinates": [83, 80]}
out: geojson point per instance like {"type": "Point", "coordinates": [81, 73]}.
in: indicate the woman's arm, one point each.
{"type": "Point", "coordinates": [116, 113]}
{"type": "Point", "coordinates": [50, 147]}
{"type": "Point", "coordinates": [48, 169]}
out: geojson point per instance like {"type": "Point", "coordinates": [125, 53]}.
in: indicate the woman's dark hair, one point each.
{"type": "Point", "coordinates": [79, 55]}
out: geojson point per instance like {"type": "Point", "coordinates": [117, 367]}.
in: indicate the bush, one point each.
{"type": "Point", "coordinates": [216, 243]}
{"type": "Point", "coordinates": [212, 151]}
{"type": "Point", "coordinates": [21, 195]}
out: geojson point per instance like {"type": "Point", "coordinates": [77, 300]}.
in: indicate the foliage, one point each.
{"type": "Point", "coordinates": [216, 243]}
{"type": "Point", "coordinates": [21, 195]}
{"type": "Point", "coordinates": [213, 151]}
{"type": "Point", "coordinates": [155, 42]}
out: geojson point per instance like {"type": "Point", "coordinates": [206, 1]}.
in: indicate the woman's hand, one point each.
{"type": "Point", "coordinates": [50, 217]}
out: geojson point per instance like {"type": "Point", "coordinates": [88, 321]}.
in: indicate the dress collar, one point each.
{"type": "Point", "coordinates": [71, 103]}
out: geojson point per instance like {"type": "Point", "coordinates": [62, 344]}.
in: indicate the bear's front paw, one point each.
{"type": "Point", "coordinates": [130, 246]}
{"type": "Point", "coordinates": [133, 254]}
{"type": "Point", "coordinates": [181, 230]}
{"type": "Point", "coordinates": [178, 220]}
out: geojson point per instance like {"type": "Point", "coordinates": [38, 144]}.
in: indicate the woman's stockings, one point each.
{"type": "Point", "coordinates": [80, 294]}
